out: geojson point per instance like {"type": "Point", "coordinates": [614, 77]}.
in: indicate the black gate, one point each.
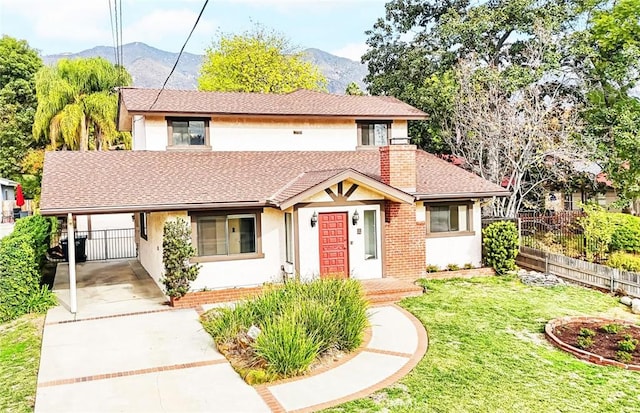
{"type": "Point", "coordinates": [102, 244]}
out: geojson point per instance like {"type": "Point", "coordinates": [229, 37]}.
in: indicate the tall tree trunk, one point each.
{"type": "Point", "coordinates": [84, 134]}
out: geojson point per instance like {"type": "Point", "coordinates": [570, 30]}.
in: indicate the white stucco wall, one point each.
{"type": "Point", "coordinates": [246, 134]}
{"type": "Point", "coordinates": [459, 250]}
{"type": "Point", "coordinates": [156, 135]}
{"type": "Point", "coordinates": [262, 134]}
{"type": "Point", "coordinates": [150, 250]}
{"type": "Point", "coordinates": [138, 133]}
{"type": "Point", "coordinates": [249, 272]}
{"type": "Point", "coordinates": [104, 221]}
{"type": "Point", "coordinates": [360, 267]}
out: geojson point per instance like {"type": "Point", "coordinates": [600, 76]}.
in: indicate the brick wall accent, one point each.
{"type": "Point", "coordinates": [404, 237]}
{"type": "Point", "coordinates": [404, 242]}
{"type": "Point", "coordinates": [398, 166]}
{"type": "Point", "coordinates": [197, 298]}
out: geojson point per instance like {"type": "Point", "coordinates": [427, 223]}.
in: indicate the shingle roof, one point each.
{"type": "Point", "coordinates": [144, 180]}
{"type": "Point", "coordinates": [298, 103]}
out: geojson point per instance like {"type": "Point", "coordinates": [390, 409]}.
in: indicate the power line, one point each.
{"type": "Point", "coordinates": [121, 41]}
{"type": "Point", "coordinates": [180, 54]}
{"type": "Point", "coordinates": [113, 35]}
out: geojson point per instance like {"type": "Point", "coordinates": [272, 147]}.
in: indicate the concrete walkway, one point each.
{"type": "Point", "coordinates": [158, 359]}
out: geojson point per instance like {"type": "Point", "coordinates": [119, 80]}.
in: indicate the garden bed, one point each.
{"type": "Point", "coordinates": [598, 340]}
{"type": "Point", "coordinates": [291, 329]}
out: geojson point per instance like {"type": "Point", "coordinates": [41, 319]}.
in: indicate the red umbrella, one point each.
{"type": "Point", "coordinates": [19, 196]}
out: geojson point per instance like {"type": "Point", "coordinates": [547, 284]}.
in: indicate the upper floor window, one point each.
{"type": "Point", "coordinates": [184, 132]}
{"type": "Point", "coordinates": [374, 133]}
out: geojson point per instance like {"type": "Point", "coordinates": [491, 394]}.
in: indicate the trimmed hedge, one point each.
{"type": "Point", "coordinates": [500, 244]}
{"type": "Point", "coordinates": [22, 255]}
{"type": "Point", "coordinates": [624, 261]}
{"type": "Point", "coordinates": [626, 233]}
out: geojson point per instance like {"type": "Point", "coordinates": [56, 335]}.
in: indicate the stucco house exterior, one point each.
{"type": "Point", "coordinates": [303, 184]}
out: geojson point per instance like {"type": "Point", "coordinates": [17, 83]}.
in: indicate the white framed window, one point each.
{"type": "Point", "coordinates": [288, 237]}
{"type": "Point", "coordinates": [370, 235]}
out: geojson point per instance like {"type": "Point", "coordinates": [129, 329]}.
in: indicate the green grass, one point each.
{"type": "Point", "coordinates": [487, 353]}
{"type": "Point", "coordinates": [20, 342]}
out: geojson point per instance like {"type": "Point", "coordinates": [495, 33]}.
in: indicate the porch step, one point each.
{"type": "Point", "coordinates": [389, 290]}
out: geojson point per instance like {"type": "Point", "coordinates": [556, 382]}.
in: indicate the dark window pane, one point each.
{"type": "Point", "coordinates": [454, 218]}
{"type": "Point", "coordinates": [439, 221]}
{"type": "Point", "coordinates": [190, 132]}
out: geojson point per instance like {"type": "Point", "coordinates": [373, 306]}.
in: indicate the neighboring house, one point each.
{"type": "Point", "coordinates": [304, 184]}
{"type": "Point", "coordinates": [7, 199]}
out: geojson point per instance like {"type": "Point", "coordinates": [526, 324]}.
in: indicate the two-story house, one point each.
{"type": "Point", "coordinates": [302, 184]}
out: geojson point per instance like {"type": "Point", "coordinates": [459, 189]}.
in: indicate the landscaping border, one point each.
{"type": "Point", "coordinates": [470, 273]}
{"type": "Point", "coordinates": [582, 354]}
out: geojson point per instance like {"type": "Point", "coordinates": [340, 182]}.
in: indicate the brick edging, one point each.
{"type": "Point", "coordinates": [423, 343]}
{"type": "Point", "coordinates": [101, 317]}
{"type": "Point", "coordinates": [582, 354]}
{"type": "Point", "coordinates": [105, 376]}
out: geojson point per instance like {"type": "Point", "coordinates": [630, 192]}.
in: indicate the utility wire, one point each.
{"type": "Point", "coordinates": [121, 41]}
{"type": "Point", "coordinates": [179, 54]}
{"type": "Point", "coordinates": [113, 35]}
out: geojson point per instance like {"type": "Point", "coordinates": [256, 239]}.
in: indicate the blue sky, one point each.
{"type": "Point", "coordinates": [56, 26]}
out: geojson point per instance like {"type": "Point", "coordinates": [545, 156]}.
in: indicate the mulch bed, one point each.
{"type": "Point", "coordinates": [604, 344]}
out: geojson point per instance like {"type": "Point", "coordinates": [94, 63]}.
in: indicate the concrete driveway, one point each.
{"type": "Point", "coordinates": [126, 351]}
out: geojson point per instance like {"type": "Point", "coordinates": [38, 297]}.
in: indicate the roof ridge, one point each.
{"type": "Point", "coordinates": [285, 187]}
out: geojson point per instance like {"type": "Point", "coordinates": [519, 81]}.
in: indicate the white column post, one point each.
{"type": "Point", "coordinates": [71, 254]}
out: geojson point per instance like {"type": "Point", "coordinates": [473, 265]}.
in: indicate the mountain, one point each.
{"type": "Point", "coordinates": [149, 66]}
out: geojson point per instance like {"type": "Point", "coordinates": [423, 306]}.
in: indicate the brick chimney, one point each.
{"type": "Point", "coordinates": [398, 165]}
{"type": "Point", "coordinates": [404, 240]}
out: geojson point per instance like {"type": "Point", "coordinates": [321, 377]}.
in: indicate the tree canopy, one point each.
{"type": "Point", "coordinates": [18, 66]}
{"type": "Point", "coordinates": [586, 63]}
{"type": "Point", "coordinates": [77, 103]}
{"type": "Point", "coordinates": [257, 61]}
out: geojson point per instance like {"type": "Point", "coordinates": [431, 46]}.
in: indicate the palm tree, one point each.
{"type": "Point", "coordinates": [77, 103]}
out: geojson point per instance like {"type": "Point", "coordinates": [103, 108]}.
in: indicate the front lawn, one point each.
{"type": "Point", "coordinates": [20, 342]}
{"type": "Point", "coordinates": [487, 353]}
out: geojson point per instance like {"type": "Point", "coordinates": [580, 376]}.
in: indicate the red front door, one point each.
{"type": "Point", "coordinates": [334, 244]}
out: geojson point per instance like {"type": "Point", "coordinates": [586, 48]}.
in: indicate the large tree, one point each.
{"type": "Point", "coordinates": [605, 56]}
{"type": "Point", "coordinates": [77, 103]}
{"type": "Point", "coordinates": [257, 61]}
{"type": "Point", "coordinates": [413, 50]}
{"type": "Point", "coordinates": [18, 66]}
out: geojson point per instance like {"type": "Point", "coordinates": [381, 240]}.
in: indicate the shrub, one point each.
{"type": "Point", "coordinates": [629, 344]}
{"type": "Point", "coordinates": [20, 290]}
{"type": "Point", "coordinates": [453, 267]}
{"type": "Point", "coordinates": [598, 230]}
{"type": "Point", "coordinates": [586, 332]}
{"type": "Point", "coordinates": [468, 266]}
{"type": "Point", "coordinates": [176, 252]}
{"type": "Point", "coordinates": [626, 234]}
{"type": "Point", "coordinates": [612, 328]}
{"type": "Point", "coordinates": [432, 268]}
{"type": "Point", "coordinates": [286, 347]}
{"type": "Point", "coordinates": [624, 261]}
{"type": "Point", "coordinates": [38, 229]}
{"type": "Point", "coordinates": [329, 314]}
{"type": "Point", "coordinates": [584, 342]}
{"type": "Point", "coordinates": [500, 242]}
{"type": "Point", "coordinates": [623, 356]}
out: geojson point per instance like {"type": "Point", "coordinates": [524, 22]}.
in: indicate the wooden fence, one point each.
{"type": "Point", "coordinates": [579, 271]}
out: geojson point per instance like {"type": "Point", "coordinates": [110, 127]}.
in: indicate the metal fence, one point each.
{"type": "Point", "coordinates": [96, 245]}
{"type": "Point", "coordinates": [580, 271]}
{"type": "Point", "coordinates": [560, 233]}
